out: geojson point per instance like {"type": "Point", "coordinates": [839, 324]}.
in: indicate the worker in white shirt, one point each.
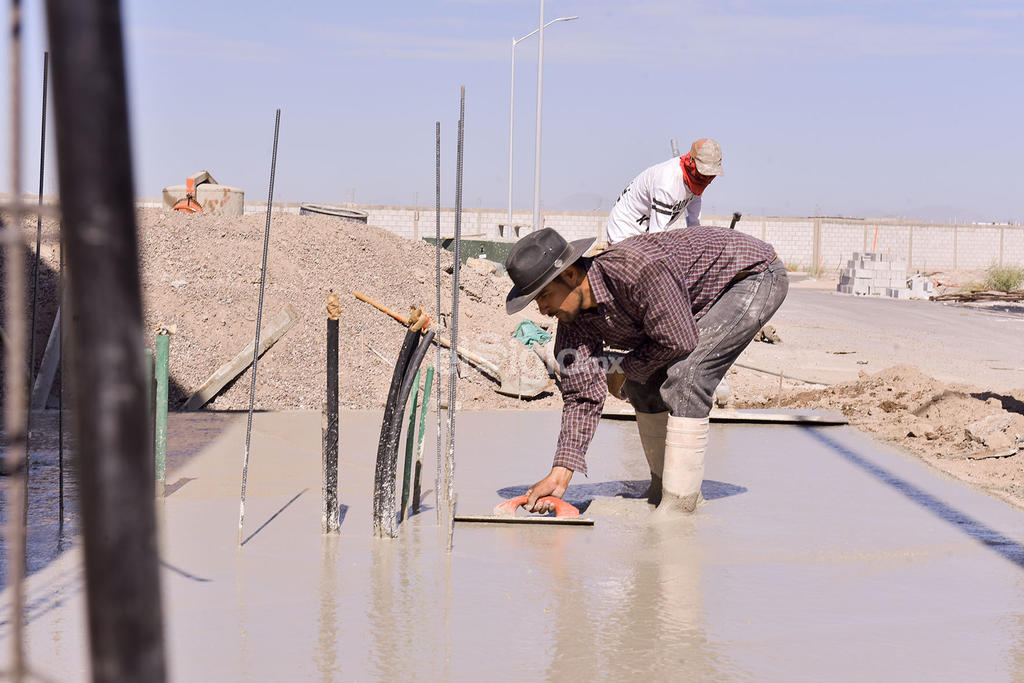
{"type": "Point", "coordinates": [662, 193]}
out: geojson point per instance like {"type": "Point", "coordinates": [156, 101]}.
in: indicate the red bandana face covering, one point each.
{"type": "Point", "coordinates": [694, 180]}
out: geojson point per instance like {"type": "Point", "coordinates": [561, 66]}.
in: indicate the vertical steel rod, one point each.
{"type": "Point", "coordinates": [60, 386]}
{"type": "Point", "coordinates": [114, 445]}
{"type": "Point", "coordinates": [438, 472]}
{"type": "Point", "coordinates": [454, 358]}
{"type": "Point", "coordinates": [331, 521]}
{"type": "Point", "coordinates": [259, 321]}
{"type": "Point", "coordinates": [35, 267]}
{"type": "Point", "coordinates": [163, 352]}
{"type": "Point", "coordinates": [16, 399]}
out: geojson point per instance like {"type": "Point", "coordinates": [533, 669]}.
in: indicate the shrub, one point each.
{"type": "Point", "coordinates": [1004, 278]}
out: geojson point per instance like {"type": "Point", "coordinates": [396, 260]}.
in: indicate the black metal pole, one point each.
{"type": "Point", "coordinates": [331, 521]}
{"type": "Point", "coordinates": [114, 445]}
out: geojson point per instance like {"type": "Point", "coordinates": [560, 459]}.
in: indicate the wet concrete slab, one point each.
{"type": "Point", "coordinates": [819, 555]}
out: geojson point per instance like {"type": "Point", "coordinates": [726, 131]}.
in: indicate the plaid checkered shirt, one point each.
{"type": "Point", "coordinates": [650, 290]}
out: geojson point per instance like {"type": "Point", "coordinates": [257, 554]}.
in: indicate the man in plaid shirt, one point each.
{"type": "Point", "coordinates": [685, 303]}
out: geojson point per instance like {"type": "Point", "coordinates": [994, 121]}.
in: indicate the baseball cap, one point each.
{"type": "Point", "coordinates": [707, 155]}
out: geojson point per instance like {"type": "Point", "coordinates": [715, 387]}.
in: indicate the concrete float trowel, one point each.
{"type": "Point", "coordinates": [520, 387]}
{"type": "Point", "coordinates": [505, 513]}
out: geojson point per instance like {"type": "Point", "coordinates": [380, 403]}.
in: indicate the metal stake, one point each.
{"type": "Point", "coordinates": [60, 387]}
{"type": "Point", "coordinates": [259, 321]}
{"type": "Point", "coordinates": [35, 274]}
{"type": "Point", "coordinates": [331, 522]}
{"type": "Point", "coordinates": [438, 473]}
{"type": "Point", "coordinates": [163, 348]}
{"type": "Point", "coordinates": [454, 358]}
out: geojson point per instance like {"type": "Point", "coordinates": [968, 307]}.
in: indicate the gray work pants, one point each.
{"type": "Point", "coordinates": [686, 387]}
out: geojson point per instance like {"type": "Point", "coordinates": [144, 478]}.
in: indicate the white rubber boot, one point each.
{"type": "Point", "coordinates": [685, 444]}
{"type": "Point", "coordinates": [652, 428]}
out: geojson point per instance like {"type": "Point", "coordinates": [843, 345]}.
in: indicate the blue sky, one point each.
{"type": "Point", "coordinates": [898, 108]}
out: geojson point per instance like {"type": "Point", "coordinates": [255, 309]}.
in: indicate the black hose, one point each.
{"type": "Point", "coordinates": [391, 436]}
{"type": "Point", "coordinates": [381, 484]}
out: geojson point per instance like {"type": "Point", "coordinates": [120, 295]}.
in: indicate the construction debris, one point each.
{"type": "Point", "coordinates": [202, 194]}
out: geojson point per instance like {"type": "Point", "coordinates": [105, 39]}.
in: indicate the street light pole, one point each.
{"type": "Point", "coordinates": [511, 103]}
{"type": "Point", "coordinates": [511, 127]}
{"type": "Point", "coordinates": [540, 101]}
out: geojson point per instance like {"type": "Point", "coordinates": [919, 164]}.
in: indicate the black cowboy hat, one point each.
{"type": "Point", "coordinates": [536, 260]}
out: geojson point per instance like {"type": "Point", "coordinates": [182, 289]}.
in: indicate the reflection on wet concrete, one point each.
{"type": "Point", "coordinates": [48, 535]}
{"type": "Point", "coordinates": [802, 564]}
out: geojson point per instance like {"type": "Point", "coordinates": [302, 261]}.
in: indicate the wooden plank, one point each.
{"type": "Point", "coordinates": [237, 365]}
{"type": "Point", "coordinates": [48, 367]}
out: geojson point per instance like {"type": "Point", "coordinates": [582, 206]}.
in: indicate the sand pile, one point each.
{"type": "Point", "coordinates": [922, 414]}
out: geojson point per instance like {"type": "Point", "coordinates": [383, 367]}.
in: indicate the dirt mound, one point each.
{"type": "Point", "coordinates": [922, 414]}
{"type": "Point", "coordinates": [201, 274]}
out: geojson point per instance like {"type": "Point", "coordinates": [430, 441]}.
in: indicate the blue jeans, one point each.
{"type": "Point", "coordinates": [686, 387]}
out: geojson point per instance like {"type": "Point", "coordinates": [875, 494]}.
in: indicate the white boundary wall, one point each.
{"type": "Point", "coordinates": [803, 243]}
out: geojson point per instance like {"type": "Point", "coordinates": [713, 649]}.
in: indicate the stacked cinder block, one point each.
{"type": "Point", "coordinates": [874, 275]}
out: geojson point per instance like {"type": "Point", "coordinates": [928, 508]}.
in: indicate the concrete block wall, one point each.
{"type": "Point", "coordinates": [977, 247]}
{"type": "Point", "coordinates": [1012, 246]}
{"type": "Point", "coordinates": [838, 242]}
{"type": "Point", "coordinates": [413, 222]}
{"type": "Point", "coordinates": [801, 242]}
{"type": "Point", "coordinates": [934, 247]}
{"type": "Point", "coordinates": [793, 241]}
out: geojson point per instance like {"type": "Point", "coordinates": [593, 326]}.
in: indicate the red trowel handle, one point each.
{"type": "Point", "coordinates": [562, 508]}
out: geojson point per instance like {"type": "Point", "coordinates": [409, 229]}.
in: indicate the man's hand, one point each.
{"type": "Point", "coordinates": [615, 382]}
{"type": "Point", "coordinates": [554, 484]}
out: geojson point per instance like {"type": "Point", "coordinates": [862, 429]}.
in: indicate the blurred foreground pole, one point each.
{"type": "Point", "coordinates": [115, 446]}
{"type": "Point", "coordinates": [15, 446]}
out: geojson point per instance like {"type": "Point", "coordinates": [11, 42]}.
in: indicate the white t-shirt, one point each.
{"type": "Point", "coordinates": [652, 202]}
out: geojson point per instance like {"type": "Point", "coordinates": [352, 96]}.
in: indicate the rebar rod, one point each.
{"type": "Point", "coordinates": [259, 322]}
{"type": "Point", "coordinates": [438, 495]}
{"type": "Point", "coordinates": [35, 269]}
{"type": "Point", "coordinates": [114, 446]}
{"type": "Point", "coordinates": [454, 358]}
{"type": "Point", "coordinates": [60, 385]}
{"type": "Point", "coordinates": [16, 396]}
